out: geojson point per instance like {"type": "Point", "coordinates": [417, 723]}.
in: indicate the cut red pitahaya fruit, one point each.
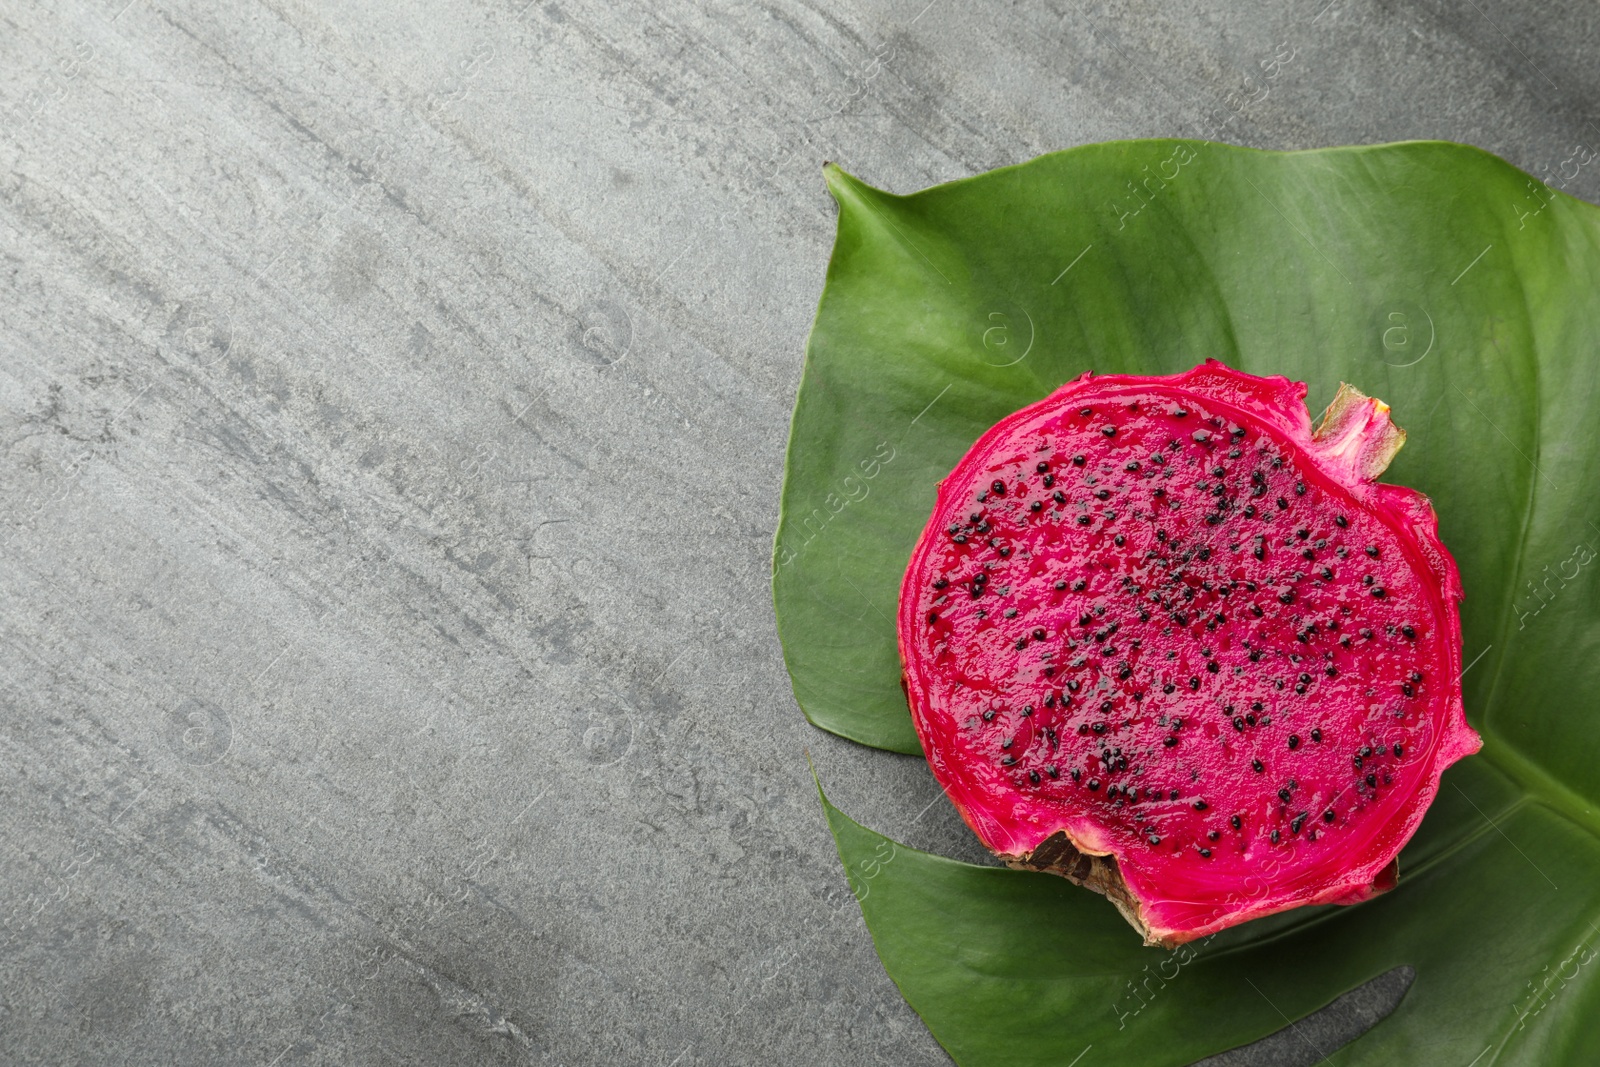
{"type": "Point", "coordinates": [1162, 638]}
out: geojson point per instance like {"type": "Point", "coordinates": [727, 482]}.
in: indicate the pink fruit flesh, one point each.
{"type": "Point", "coordinates": [1206, 645]}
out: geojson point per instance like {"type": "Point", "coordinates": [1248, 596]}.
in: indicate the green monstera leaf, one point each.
{"type": "Point", "coordinates": [1435, 276]}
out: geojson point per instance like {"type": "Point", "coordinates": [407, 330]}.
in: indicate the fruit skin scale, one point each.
{"type": "Point", "coordinates": [1274, 859]}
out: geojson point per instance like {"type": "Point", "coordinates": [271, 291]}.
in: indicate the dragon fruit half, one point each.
{"type": "Point", "coordinates": [1163, 639]}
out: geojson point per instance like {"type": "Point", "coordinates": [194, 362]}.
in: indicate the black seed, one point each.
{"type": "Point", "coordinates": [1033, 776]}
{"type": "Point", "coordinates": [1060, 586]}
{"type": "Point", "coordinates": [1250, 720]}
{"type": "Point", "coordinates": [1170, 796]}
{"type": "Point", "coordinates": [1299, 488]}
{"type": "Point", "coordinates": [1274, 837]}
{"type": "Point", "coordinates": [1109, 431]}
{"type": "Point", "coordinates": [1059, 497]}
{"type": "Point", "coordinates": [1153, 839]}
{"type": "Point", "coordinates": [1073, 685]}
{"type": "Point", "coordinates": [1406, 690]}
{"type": "Point", "coordinates": [1038, 635]}
{"type": "Point", "coordinates": [940, 583]}
{"type": "Point", "coordinates": [1049, 480]}
{"type": "Point", "coordinates": [1398, 751]}
{"type": "Point", "coordinates": [998, 488]}
{"type": "Point", "coordinates": [1078, 460]}
{"type": "Point", "coordinates": [1205, 853]}
{"type": "Point", "coordinates": [1008, 761]}
{"type": "Point", "coordinates": [1042, 467]}
{"type": "Point", "coordinates": [1202, 436]}
{"type": "Point", "coordinates": [1007, 742]}
{"type": "Point", "coordinates": [1086, 412]}
{"type": "Point", "coordinates": [1099, 727]}
{"type": "Point", "coordinates": [933, 616]}
{"type": "Point", "coordinates": [1235, 821]}
{"type": "Point", "coordinates": [1316, 735]}
{"type": "Point", "coordinates": [1297, 822]}
{"type": "Point", "coordinates": [1284, 795]}
{"type": "Point", "coordinates": [1238, 723]}
{"type": "Point", "coordinates": [1179, 413]}
{"type": "Point", "coordinates": [1076, 774]}
{"type": "Point", "coordinates": [1372, 550]}
{"type": "Point", "coordinates": [988, 715]}
{"type": "Point", "coordinates": [1255, 765]}
{"type": "Point", "coordinates": [1409, 632]}
{"type": "Point", "coordinates": [1372, 780]}
{"type": "Point", "coordinates": [1379, 593]}
{"type": "Point", "coordinates": [1094, 783]}
{"type": "Point", "coordinates": [1200, 805]}
{"type": "Point", "coordinates": [1169, 687]}
{"type": "Point", "coordinates": [1078, 586]}
{"type": "Point", "coordinates": [1294, 742]}
{"type": "Point", "coordinates": [1084, 520]}
{"type": "Point", "coordinates": [1036, 506]}
{"type": "Point", "coordinates": [1194, 683]}
{"type": "Point", "coordinates": [1169, 742]}
{"type": "Point", "coordinates": [1366, 633]}
{"type": "Point", "coordinates": [1022, 644]}
{"type": "Point", "coordinates": [1052, 770]}
{"type": "Point", "coordinates": [1026, 710]}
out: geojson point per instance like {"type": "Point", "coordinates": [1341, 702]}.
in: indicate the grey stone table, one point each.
{"type": "Point", "coordinates": [393, 401]}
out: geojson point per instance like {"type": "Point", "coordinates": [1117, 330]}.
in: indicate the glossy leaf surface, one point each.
{"type": "Point", "coordinates": [1434, 276]}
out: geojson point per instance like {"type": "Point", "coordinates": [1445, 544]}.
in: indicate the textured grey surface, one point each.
{"type": "Point", "coordinates": [393, 401]}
